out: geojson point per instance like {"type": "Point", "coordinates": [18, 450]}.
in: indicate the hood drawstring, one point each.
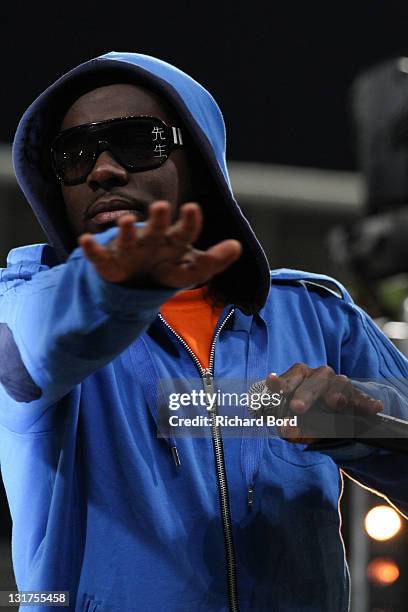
{"type": "Point", "coordinates": [254, 439]}
{"type": "Point", "coordinates": [155, 397]}
{"type": "Point", "coordinates": [252, 449]}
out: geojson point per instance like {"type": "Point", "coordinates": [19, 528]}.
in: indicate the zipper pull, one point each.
{"type": "Point", "coordinates": [208, 383]}
{"type": "Point", "coordinates": [250, 498]}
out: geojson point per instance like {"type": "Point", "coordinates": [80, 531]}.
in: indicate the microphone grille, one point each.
{"type": "Point", "coordinates": [258, 387]}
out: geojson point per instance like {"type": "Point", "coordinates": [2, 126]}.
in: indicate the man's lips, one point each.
{"type": "Point", "coordinates": [109, 209]}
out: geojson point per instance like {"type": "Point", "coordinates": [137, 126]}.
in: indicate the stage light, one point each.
{"type": "Point", "coordinates": [382, 571]}
{"type": "Point", "coordinates": [382, 523]}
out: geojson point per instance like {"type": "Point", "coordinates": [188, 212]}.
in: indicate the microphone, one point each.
{"type": "Point", "coordinates": [378, 430]}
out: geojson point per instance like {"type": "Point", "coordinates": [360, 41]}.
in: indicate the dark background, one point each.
{"type": "Point", "coordinates": [280, 71]}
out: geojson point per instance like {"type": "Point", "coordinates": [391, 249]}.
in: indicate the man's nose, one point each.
{"type": "Point", "coordinates": [107, 172]}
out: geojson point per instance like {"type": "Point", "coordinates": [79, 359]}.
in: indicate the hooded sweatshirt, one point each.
{"type": "Point", "coordinates": [111, 500]}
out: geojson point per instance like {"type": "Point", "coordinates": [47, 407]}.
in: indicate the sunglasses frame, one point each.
{"type": "Point", "coordinates": [173, 136]}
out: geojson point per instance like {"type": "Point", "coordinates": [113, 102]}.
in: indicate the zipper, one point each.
{"type": "Point", "coordinates": [207, 375]}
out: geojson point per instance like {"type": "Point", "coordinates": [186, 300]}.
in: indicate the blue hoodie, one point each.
{"type": "Point", "coordinates": [108, 501]}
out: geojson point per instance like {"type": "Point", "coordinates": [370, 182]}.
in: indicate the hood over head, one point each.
{"type": "Point", "coordinates": [246, 283]}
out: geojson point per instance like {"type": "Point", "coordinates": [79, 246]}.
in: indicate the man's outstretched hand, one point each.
{"type": "Point", "coordinates": [160, 252]}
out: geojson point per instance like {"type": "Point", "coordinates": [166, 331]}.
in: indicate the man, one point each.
{"type": "Point", "coordinates": [124, 512]}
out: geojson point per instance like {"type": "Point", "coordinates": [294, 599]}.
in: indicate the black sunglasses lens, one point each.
{"type": "Point", "coordinates": [138, 143]}
{"type": "Point", "coordinates": [73, 160]}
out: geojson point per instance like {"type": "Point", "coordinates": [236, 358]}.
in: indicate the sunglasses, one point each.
{"type": "Point", "coordinates": [136, 143]}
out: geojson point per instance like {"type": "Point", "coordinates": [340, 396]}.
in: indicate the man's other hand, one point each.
{"type": "Point", "coordinates": [304, 388]}
{"type": "Point", "coordinates": [161, 252]}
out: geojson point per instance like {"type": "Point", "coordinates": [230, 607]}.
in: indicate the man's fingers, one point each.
{"type": "Point", "coordinates": [127, 235]}
{"type": "Point", "coordinates": [339, 393]}
{"type": "Point", "coordinates": [189, 224]}
{"type": "Point", "coordinates": [217, 258]}
{"type": "Point", "coordinates": [311, 389]}
{"type": "Point", "coordinates": [177, 235]}
{"type": "Point", "coordinates": [363, 403]}
{"type": "Point", "coordinates": [289, 381]}
{"type": "Point", "coordinates": [93, 251]}
{"type": "Point", "coordinates": [159, 219]}
{"type": "Point", "coordinates": [201, 266]}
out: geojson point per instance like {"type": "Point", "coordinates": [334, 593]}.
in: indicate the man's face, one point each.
{"type": "Point", "coordinates": [109, 186]}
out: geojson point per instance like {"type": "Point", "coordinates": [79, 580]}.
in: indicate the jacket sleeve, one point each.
{"type": "Point", "coordinates": [59, 325]}
{"type": "Point", "coordinates": [382, 371]}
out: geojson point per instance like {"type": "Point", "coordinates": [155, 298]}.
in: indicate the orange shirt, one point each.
{"type": "Point", "coordinates": [194, 319]}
